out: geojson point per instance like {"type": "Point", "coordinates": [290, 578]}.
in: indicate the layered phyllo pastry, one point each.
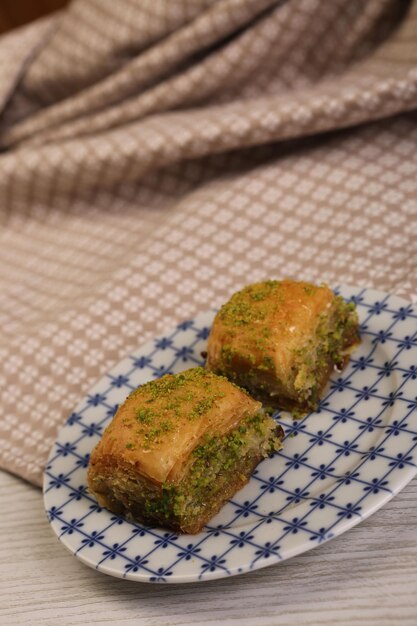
{"type": "Point", "coordinates": [281, 339]}
{"type": "Point", "coordinates": [178, 448]}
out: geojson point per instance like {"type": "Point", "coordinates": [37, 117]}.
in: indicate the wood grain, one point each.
{"type": "Point", "coordinates": [367, 576]}
{"type": "Point", "coordinates": [14, 13]}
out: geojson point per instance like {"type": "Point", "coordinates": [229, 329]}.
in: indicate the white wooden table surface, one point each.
{"type": "Point", "coordinates": [367, 576]}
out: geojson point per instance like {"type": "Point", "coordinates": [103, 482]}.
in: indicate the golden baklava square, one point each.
{"type": "Point", "coordinates": [281, 339]}
{"type": "Point", "coordinates": [178, 448]}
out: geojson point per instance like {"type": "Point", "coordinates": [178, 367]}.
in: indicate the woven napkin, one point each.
{"type": "Point", "coordinates": [156, 155]}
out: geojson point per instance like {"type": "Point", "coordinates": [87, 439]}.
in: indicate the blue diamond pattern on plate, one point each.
{"type": "Point", "coordinates": [338, 465]}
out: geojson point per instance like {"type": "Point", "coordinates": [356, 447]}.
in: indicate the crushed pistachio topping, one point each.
{"type": "Point", "coordinates": [251, 308]}
{"type": "Point", "coordinates": [251, 321]}
{"type": "Point", "coordinates": [250, 304]}
{"type": "Point", "coordinates": [211, 463]}
{"type": "Point", "coordinates": [144, 416]}
{"type": "Point", "coordinates": [163, 402]}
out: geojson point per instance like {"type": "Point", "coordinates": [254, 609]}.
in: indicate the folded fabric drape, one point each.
{"type": "Point", "coordinates": [157, 155]}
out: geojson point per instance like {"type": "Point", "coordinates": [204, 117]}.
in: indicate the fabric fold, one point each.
{"type": "Point", "coordinates": [156, 156]}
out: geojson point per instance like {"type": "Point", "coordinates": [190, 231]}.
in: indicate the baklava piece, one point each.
{"type": "Point", "coordinates": [280, 340]}
{"type": "Point", "coordinates": [178, 448]}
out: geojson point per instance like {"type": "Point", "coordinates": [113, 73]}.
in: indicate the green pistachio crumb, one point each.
{"type": "Point", "coordinates": [145, 416]}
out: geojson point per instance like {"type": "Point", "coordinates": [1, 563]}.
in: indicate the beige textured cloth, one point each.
{"type": "Point", "coordinates": [156, 155]}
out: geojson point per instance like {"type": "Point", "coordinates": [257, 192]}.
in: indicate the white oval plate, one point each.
{"type": "Point", "coordinates": [338, 465]}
